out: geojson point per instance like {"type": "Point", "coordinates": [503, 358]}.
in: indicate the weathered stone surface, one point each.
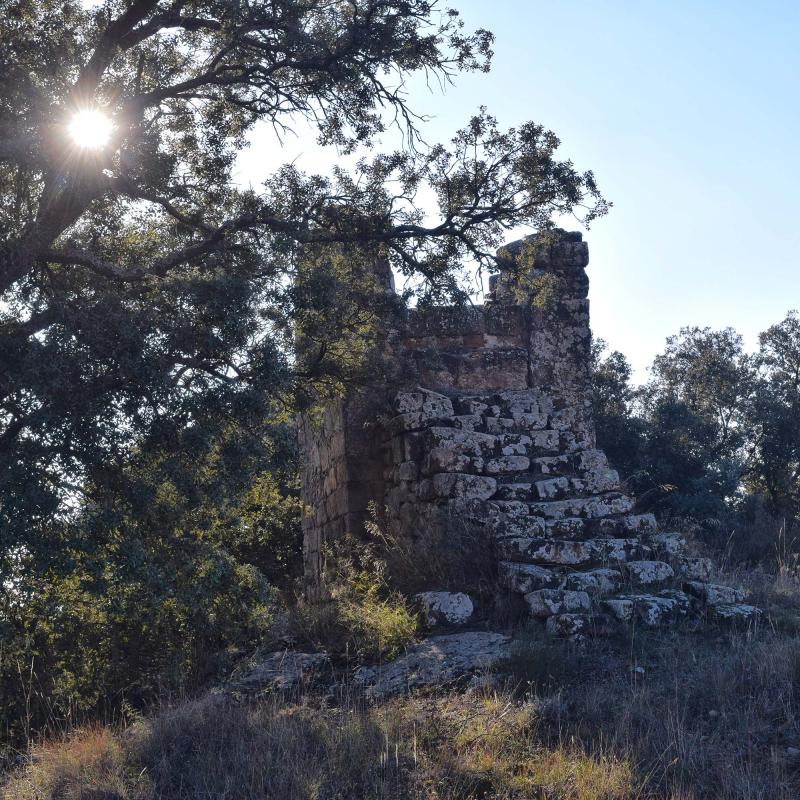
{"type": "Point", "coordinates": [595, 581]}
{"type": "Point", "coordinates": [499, 425]}
{"type": "Point", "coordinates": [516, 444]}
{"type": "Point", "coordinates": [505, 464]}
{"type": "Point", "coordinates": [735, 612]}
{"type": "Point", "coordinates": [647, 573]}
{"type": "Point", "coordinates": [492, 445]}
{"type": "Point", "coordinates": [506, 525]}
{"type": "Point", "coordinates": [619, 550]}
{"type": "Point", "coordinates": [588, 507]}
{"type": "Point", "coordinates": [546, 602]}
{"type": "Point", "coordinates": [668, 544]}
{"type": "Point", "coordinates": [464, 486]}
{"type": "Point", "coordinates": [428, 403]}
{"type": "Point", "coordinates": [448, 459]}
{"type": "Point", "coordinates": [567, 553]}
{"type": "Point", "coordinates": [567, 528]}
{"type": "Point", "coordinates": [281, 671]}
{"type": "Point", "coordinates": [524, 578]}
{"type": "Point", "coordinates": [624, 525]}
{"type": "Point", "coordinates": [544, 551]}
{"type": "Point", "coordinates": [448, 608]}
{"type": "Point", "coordinates": [436, 660]}
{"type": "Point", "coordinates": [470, 443]}
{"type": "Point", "coordinates": [695, 568]}
{"type": "Point", "coordinates": [714, 594]}
{"type": "Point", "coordinates": [514, 491]}
{"type": "Point", "coordinates": [650, 609]}
{"type": "Point", "coordinates": [552, 488]}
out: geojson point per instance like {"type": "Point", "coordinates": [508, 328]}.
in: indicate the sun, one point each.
{"type": "Point", "coordinates": [90, 129]}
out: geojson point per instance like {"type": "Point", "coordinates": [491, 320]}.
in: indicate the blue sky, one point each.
{"type": "Point", "coordinates": [688, 114]}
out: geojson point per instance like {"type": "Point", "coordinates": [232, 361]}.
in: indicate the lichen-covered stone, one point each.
{"type": "Point", "coordinates": [545, 551]}
{"type": "Point", "coordinates": [668, 544]}
{"type": "Point", "coordinates": [514, 491]}
{"type": "Point", "coordinates": [524, 578]}
{"type": "Point", "coordinates": [594, 582]}
{"type": "Point", "coordinates": [735, 612]}
{"type": "Point", "coordinates": [714, 594]}
{"type": "Point", "coordinates": [647, 573]}
{"type": "Point", "coordinates": [650, 609]}
{"type": "Point", "coordinates": [464, 486]}
{"type": "Point", "coordinates": [281, 671]}
{"type": "Point", "coordinates": [569, 626]}
{"type": "Point", "coordinates": [435, 660]}
{"type": "Point", "coordinates": [505, 525]}
{"type": "Point", "coordinates": [491, 443]}
{"type": "Point", "coordinates": [449, 608]}
{"type": "Point", "coordinates": [552, 488]}
{"type": "Point", "coordinates": [505, 464]}
{"type": "Point", "coordinates": [587, 507]}
{"type": "Point", "coordinates": [424, 401]}
{"type": "Point", "coordinates": [624, 525]}
{"type": "Point", "coordinates": [546, 602]}
{"type": "Point", "coordinates": [695, 568]}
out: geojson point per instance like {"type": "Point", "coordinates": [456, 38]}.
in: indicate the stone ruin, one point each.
{"type": "Point", "coordinates": [488, 426]}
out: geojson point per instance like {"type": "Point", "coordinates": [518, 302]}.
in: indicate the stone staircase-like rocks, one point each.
{"type": "Point", "coordinates": [565, 536]}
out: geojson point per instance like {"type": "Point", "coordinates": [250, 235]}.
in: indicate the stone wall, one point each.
{"type": "Point", "coordinates": [520, 339]}
{"type": "Point", "coordinates": [488, 426]}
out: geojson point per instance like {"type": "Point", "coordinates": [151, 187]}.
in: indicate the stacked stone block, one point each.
{"type": "Point", "coordinates": [564, 535]}
{"type": "Point", "coordinates": [489, 425]}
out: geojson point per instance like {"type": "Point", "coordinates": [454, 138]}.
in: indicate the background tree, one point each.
{"type": "Point", "coordinates": [694, 404]}
{"type": "Point", "coordinates": [620, 432]}
{"type": "Point", "coordinates": [774, 420]}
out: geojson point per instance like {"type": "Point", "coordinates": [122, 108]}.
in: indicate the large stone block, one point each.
{"type": "Point", "coordinates": [546, 602]}
{"type": "Point", "coordinates": [524, 578]}
{"type": "Point", "coordinates": [465, 487]}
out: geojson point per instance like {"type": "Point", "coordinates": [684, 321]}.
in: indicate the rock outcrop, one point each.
{"type": "Point", "coordinates": [437, 660]}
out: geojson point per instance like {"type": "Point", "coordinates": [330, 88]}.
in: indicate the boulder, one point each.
{"type": "Point", "coordinates": [714, 594]}
{"type": "Point", "coordinates": [448, 608]}
{"type": "Point", "coordinates": [594, 581]}
{"type": "Point", "coordinates": [647, 573]}
{"type": "Point", "coordinates": [735, 612]}
{"type": "Point", "coordinates": [546, 602]}
{"type": "Point", "coordinates": [651, 609]}
{"type": "Point", "coordinates": [569, 626]}
{"type": "Point", "coordinates": [695, 568]}
{"type": "Point", "coordinates": [524, 578]}
{"type": "Point", "coordinates": [465, 487]}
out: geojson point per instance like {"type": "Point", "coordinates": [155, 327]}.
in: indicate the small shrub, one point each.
{"type": "Point", "coordinates": [362, 617]}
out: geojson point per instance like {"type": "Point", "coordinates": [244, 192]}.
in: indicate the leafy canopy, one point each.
{"type": "Point", "coordinates": [143, 290]}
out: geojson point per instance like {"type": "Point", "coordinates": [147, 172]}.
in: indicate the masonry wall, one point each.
{"type": "Point", "coordinates": [532, 334]}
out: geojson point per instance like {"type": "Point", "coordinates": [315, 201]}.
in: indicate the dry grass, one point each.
{"type": "Point", "coordinates": [685, 715]}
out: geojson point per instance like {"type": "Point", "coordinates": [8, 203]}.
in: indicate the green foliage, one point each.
{"type": "Point", "coordinates": [619, 430]}
{"type": "Point", "coordinates": [164, 575]}
{"type": "Point", "coordinates": [713, 431]}
{"type": "Point", "coordinates": [363, 617]}
{"type": "Point", "coordinates": [143, 289]}
{"type": "Point", "coordinates": [774, 416]}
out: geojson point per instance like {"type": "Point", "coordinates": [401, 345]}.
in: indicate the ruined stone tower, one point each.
{"type": "Point", "coordinates": [489, 424]}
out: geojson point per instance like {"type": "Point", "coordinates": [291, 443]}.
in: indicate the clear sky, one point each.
{"type": "Point", "coordinates": [688, 114]}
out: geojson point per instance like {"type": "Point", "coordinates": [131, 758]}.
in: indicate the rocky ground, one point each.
{"type": "Point", "coordinates": [681, 714]}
